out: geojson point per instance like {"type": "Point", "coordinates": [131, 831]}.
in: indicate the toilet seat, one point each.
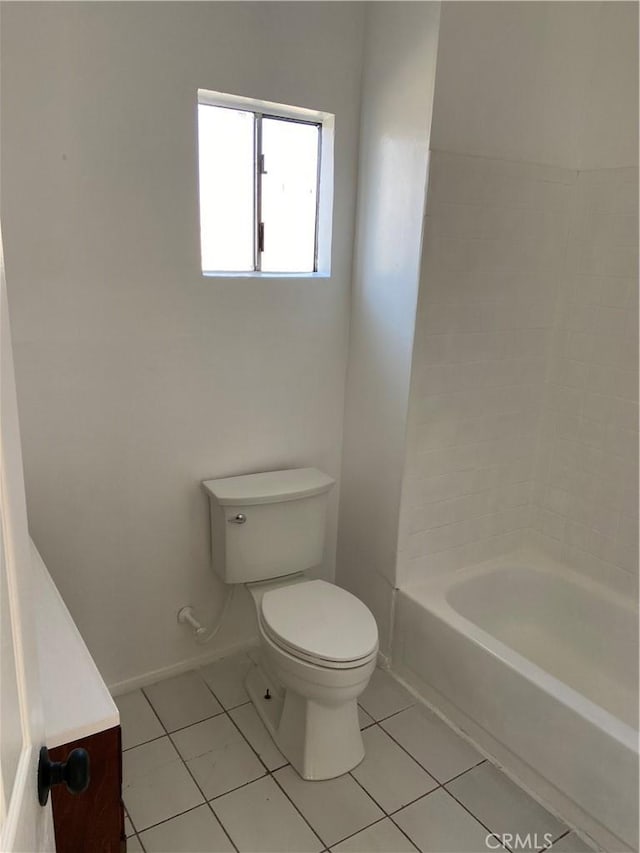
{"type": "Point", "coordinates": [321, 623]}
{"type": "Point", "coordinates": [315, 661]}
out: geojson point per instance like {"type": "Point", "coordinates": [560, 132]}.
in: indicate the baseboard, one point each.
{"type": "Point", "coordinates": [129, 684]}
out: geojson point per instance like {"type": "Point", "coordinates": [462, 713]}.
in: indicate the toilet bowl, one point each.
{"type": "Point", "coordinates": [318, 642]}
{"type": "Point", "coordinates": [319, 647]}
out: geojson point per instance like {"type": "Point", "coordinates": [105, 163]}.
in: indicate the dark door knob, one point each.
{"type": "Point", "coordinates": [74, 772]}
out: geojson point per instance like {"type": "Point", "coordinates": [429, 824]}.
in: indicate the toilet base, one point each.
{"type": "Point", "coordinates": [319, 741]}
{"type": "Point", "coordinates": [269, 709]}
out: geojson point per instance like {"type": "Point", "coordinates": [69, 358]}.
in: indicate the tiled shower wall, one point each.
{"type": "Point", "coordinates": [494, 246]}
{"type": "Point", "coordinates": [585, 501]}
{"type": "Point", "coordinates": [523, 409]}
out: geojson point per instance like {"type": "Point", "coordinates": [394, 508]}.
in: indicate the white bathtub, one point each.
{"type": "Point", "coordinates": [539, 666]}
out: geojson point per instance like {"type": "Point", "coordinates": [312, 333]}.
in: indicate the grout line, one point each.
{"type": "Point", "coordinates": [362, 829]}
{"type": "Point", "coordinates": [144, 742]}
{"type": "Point", "coordinates": [237, 788]}
{"type": "Point", "coordinates": [181, 728]}
{"type": "Point", "coordinates": [190, 774]}
{"type": "Point", "coordinates": [389, 716]}
{"type": "Point", "coordinates": [371, 797]}
{"type": "Point", "coordinates": [224, 708]}
{"type": "Point", "coordinates": [389, 814]}
{"type": "Point", "coordinates": [438, 786]}
{"type": "Point", "coordinates": [475, 817]}
{"type": "Point", "coordinates": [406, 835]}
{"type": "Point", "coordinates": [441, 788]}
{"type": "Point", "coordinates": [167, 819]}
{"type": "Point", "coordinates": [127, 815]}
{"type": "Point", "coordinates": [271, 774]}
{"type": "Point", "coordinates": [277, 781]}
{"type": "Point", "coordinates": [135, 831]}
{"type": "Point", "coordinates": [417, 799]}
{"type": "Point", "coordinates": [267, 773]}
{"type": "Point", "coordinates": [555, 840]}
{"type": "Point", "coordinates": [195, 723]}
{"type": "Point", "coordinates": [458, 775]}
{"type": "Point", "coordinates": [234, 707]}
{"type": "Point", "coordinates": [208, 802]}
{"type": "Point", "coordinates": [426, 769]}
{"type": "Point", "coordinates": [412, 757]}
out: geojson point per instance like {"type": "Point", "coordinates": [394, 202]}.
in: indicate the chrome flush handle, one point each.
{"type": "Point", "coordinates": [240, 518]}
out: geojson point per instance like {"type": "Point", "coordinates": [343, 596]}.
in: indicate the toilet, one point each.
{"type": "Point", "coordinates": [318, 642]}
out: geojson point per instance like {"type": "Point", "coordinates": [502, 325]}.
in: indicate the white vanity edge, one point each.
{"type": "Point", "coordinates": [76, 701]}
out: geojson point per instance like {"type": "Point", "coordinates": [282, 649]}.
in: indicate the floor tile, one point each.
{"type": "Point", "coordinates": [226, 678]}
{"type": "Point", "coordinates": [501, 805]}
{"type": "Point", "coordinates": [364, 718]}
{"type": "Point", "coordinates": [182, 701]}
{"type": "Point", "coordinates": [382, 837]}
{"type": "Point", "coordinates": [217, 755]}
{"type": "Point", "coordinates": [571, 843]}
{"type": "Point", "coordinates": [247, 719]}
{"type": "Point", "coordinates": [384, 695]}
{"type": "Point", "coordinates": [388, 774]}
{"type": "Point", "coordinates": [197, 831]}
{"type": "Point", "coordinates": [437, 824]}
{"type": "Point", "coordinates": [156, 784]}
{"type": "Point", "coordinates": [335, 808]}
{"type": "Point", "coordinates": [274, 826]}
{"type": "Point", "coordinates": [431, 742]}
{"type": "Point", "coordinates": [139, 723]}
{"type": "Point", "coordinates": [133, 845]}
{"type": "Point", "coordinates": [128, 827]}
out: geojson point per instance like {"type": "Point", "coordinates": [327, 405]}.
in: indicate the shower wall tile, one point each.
{"type": "Point", "coordinates": [523, 421]}
{"type": "Point", "coordinates": [494, 248]}
{"type": "Point", "coordinates": [586, 491]}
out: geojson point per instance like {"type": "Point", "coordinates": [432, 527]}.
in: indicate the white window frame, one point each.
{"type": "Point", "coordinates": [324, 213]}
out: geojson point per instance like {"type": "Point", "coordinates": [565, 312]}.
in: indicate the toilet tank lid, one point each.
{"type": "Point", "coordinates": [268, 487]}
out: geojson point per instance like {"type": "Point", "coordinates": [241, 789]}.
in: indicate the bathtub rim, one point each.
{"type": "Point", "coordinates": [431, 594]}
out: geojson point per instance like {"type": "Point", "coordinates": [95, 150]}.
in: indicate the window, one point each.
{"type": "Point", "coordinates": [265, 173]}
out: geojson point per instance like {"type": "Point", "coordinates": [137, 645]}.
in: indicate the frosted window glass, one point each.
{"type": "Point", "coordinates": [225, 146]}
{"type": "Point", "coordinates": [289, 191]}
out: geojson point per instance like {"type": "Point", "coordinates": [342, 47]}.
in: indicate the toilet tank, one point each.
{"type": "Point", "coordinates": [267, 525]}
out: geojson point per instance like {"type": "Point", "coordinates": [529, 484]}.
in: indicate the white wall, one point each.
{"type": "Point", "coordinates": [137, 377]}
{"type": "Point", "coordinates": [399, 67]}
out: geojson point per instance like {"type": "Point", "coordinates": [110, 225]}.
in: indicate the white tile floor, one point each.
{"type": "Point", "coordinates": [202, 775]}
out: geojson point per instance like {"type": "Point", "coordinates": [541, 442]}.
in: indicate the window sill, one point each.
{"type": "Point", "coordinates": [270, 275]}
